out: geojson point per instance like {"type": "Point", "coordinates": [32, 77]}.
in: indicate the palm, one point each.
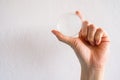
{"type": "Point", "coordinates": [88, 54]}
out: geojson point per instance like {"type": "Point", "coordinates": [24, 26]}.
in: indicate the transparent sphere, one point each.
{"type": "Point", "coordinates": [69, 24]}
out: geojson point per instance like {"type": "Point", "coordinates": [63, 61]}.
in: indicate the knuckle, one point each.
{"type": "Point", "coordinates": [60, 38]}
{"type": "Point", "coordinates": [85, 22]}
{"type": "Point", "coordinates": [84, 35]}
{"type": "Point", "coordinates": [75, 43]}
{"type": "Point", "coordinates": [100, 29]}
{"type": "Point", "coordinates": [90, 39]}
{"type": "Point", "coordinates": [92, 27]}
{"type": "Point", "coordinates": [97, 37]}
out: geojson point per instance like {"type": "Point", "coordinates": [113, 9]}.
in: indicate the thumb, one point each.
{"type": "Point", "coordinates": [63, 38]}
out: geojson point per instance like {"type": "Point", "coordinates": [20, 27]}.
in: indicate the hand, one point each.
{"type": "Point", "coordinates": [91, 46]}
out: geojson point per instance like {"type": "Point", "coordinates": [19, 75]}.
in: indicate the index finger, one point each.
{"type": "Point", "coordinates": [79, 15]}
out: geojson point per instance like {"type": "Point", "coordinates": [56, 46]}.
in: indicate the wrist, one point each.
{"type": "Point", "coordinates": [91, 73]}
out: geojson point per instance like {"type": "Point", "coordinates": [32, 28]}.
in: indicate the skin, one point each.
{"type": "Point", "coordinates": [91, 48]}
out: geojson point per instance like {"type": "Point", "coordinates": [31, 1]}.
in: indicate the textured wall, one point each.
{"type": "Point", "coordinates": [28, 50]}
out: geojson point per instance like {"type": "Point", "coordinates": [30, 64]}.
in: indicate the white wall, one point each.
{"type": "Point", "coordinates": [29, 51]}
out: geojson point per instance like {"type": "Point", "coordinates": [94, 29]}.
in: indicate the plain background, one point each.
{"type": "Point", "coordinates": [28, 49]}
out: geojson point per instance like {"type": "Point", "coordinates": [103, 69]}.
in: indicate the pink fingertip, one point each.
{"type": "Point", "coordinates": [54, 31]}
{"type": "Point", "coordinates": [79, 14]}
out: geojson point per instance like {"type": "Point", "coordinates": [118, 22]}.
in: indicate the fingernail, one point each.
{"type": "Point", "coordinates": [97, 42]}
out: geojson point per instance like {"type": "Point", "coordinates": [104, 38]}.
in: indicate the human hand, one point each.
{"type": "Point", "coordinates": [91, 46]}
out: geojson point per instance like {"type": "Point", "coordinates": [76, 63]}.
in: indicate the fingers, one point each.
{"type": "Point", "coordinates": [62, 37]}
{"type": "Point", "coordinates": [98, 36]}
{"type": "Point", "coordinates": [92, 34]}
{"type": "Point", "coordinates": [79, 15]}
{"type": "Point", "coordinates": [101, 36]}
{"type": "Point", "coordinates": [84, 30]}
